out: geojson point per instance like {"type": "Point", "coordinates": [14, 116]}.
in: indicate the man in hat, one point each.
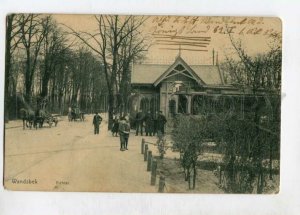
{"type": "Point", "coordinates": [155, 118]}
{"type": "Point", "coordinates": [139, 120]}
{"type": "Point", "coordinates": [149, 124]}
{"type": "Point", "coordinates": [96, 122]}
{"type": "Point", "coordinates": [124, 130]}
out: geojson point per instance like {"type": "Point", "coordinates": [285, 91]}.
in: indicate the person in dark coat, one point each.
{"type": "Point", "coordinates": [115, 127]}
{"type": "Point", "coordinates": [161, 121]}
{"type": "Point", "coordinates": [155, 118]}
{"type": "Point", "coordinates": [124, 130]}
{"type": "Point", "coordinates": [139, 120]}
{"type": "Point", "coordinates": [149, 124]}
{"type": "Point", "coordinates": [96, 122]}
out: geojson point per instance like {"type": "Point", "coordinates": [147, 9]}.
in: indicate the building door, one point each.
{"type": "Point", "coordinates": [172, 107]}
{"type": "Point", "coordinates": [182, 104]}
{"type": "Point", "coordinates": [144, 105]}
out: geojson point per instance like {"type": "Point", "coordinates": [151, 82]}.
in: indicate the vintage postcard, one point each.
{"type": "Point", "coordinates": [151, 104]}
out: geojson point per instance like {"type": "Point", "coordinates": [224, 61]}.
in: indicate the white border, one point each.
{"type": "Point", "coordinates": [287, 202]}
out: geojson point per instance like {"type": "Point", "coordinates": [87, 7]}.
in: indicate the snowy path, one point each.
{"type": "Point", "coordinates": [70, 157]}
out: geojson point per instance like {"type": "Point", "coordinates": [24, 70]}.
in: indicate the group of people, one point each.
{"type": "Point", "coordinates": [121, 127]}
{"type": "Point", "coordinates": [151, 123]}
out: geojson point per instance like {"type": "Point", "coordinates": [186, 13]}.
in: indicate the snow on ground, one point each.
{"type": "Point", "coordinates": [70, 157]}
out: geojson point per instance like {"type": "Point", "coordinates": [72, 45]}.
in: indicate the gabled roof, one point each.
{"type": "Point", "coordinates": [178, 61]}
{"type": "Point", "coordinates": [155, 73]}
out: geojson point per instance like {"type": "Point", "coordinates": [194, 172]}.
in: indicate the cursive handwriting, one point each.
{"type": "Point", "coordinates": [193, 25]}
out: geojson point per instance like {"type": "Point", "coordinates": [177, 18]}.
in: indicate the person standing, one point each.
{"type": "Point", "coordinates": [124, 130]}
{"type": "Point", "coordinates": [70, 114]}
{"type": "Point", "coordinates": [149, 124]}
{"type": "Point", "coordinates": [161, 121]}
{"type": "Point", "coordinates": [115, 127]}
{"type": "Point", "coordinates": [96, 122]}
{"type": "Point", "coordinates": [139, 120]}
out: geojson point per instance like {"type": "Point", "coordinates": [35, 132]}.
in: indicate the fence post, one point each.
{"type": "Point", "coordinates": [161, 184]}
{"type": "Point", "coordinates": [149, 159]}
{"type": "Point", "coordinates": [142, 146]}
{"type": "Point", "coordinates": [146, 152]}
{"type": "Point", "coordinates": [153, 172]}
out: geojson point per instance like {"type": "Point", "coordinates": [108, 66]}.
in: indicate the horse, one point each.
{"type": "Point", "coordinates": [40, 118]}
{"type": "Point", "coordinates": [28, 118]}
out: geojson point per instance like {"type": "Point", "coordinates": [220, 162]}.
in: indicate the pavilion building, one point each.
{"type": "Point", "coordinates": [180, 88]}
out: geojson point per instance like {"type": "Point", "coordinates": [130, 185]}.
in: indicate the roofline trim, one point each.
{"type": "Point", "coordinates": [170, 69]}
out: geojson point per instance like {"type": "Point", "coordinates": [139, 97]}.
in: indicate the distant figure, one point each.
{"type": "Point", "coordinates": [124, 130]}
{"type": "Point", "coordinates": [115, 127]}
{"type": "Point", "coordinates": [96, 122]}
{"type": "Point", "coordinates": [139, 120]}
{"type": "Point", "coordinates": [161, 121]}
{"type": "Point", "coordinates": [127, 131]}
{"type": "Point", "coordinates": [149, 124]}
{"type": "Point", "coordinates": [70, 114]}
{"type": "Point", "coordinates": [155, 118]}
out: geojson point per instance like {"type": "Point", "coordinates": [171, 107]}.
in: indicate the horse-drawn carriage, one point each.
{"type": "Point", "coordinates": [75, 114]}
{"type": "Point", "coordinates": [48, 118]}
{"type": "Point", "coordinates": [38, 118]}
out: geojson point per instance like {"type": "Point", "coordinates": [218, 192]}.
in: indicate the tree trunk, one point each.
{"type": "Point", "coordinates": [194, 175]}
{"type": "Point", "coordinates": [45, 79]}
{"type": "Point", "coordinates": [189, 177]}
{"type": "Point", "coordinates": [271, 160]}
{"type": "Point", "coordinates": [28, 84]}
{"type": "Point", "coordinates": [260, 180]}
{"type": "Point", "coordinates": [53, 94]}
{"type": "Point", "coordinates": [111, 101]}
{"type": "Point", "coordinates": [9, 23]}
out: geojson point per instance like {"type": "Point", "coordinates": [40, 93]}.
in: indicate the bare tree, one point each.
{"type": "Point", "coordinates": [54, 45]}
{"type": "Point", "coordinates": [13, 28]}
{"type": "Point", "coordinates": [133, 48]}
{"type": "Point", "coordinates": [189, 136]}
{"type": "Point", "coordinates": [261, 75]}
{"type": "Point", "coordinates": [32, 35]}
{"type": "Point", "coordinates": [41, 63]}
{"type": "Point", "coordinates": [113, 30]}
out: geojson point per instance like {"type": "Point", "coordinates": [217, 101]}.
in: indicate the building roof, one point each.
{"type": "Point", "coordinates": [147, 73]}
{"type": "Point", "coordinates": [155, 73]}
{"type": "Point", "coordinates": [210, 74]}
{"type": "Point", "coordinates": [185, 68]}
